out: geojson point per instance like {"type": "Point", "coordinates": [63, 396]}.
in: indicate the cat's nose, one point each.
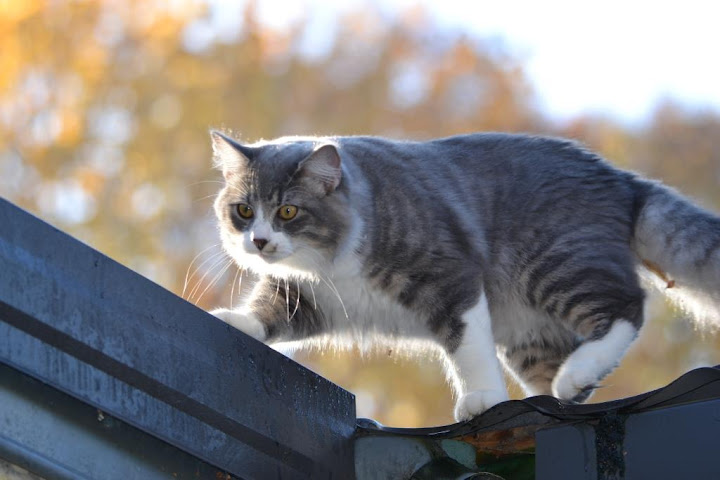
{"type": "Point", "coordinates": [260, 243]}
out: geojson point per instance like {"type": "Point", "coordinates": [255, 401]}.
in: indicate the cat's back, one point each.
{"type": "Point", "coordinates": [494, 163]}
{"type": "Point", "coordinates": [474, 152]}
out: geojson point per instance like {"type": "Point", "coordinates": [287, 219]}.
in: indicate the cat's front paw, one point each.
{"type": "Point", "coordinates": [476, 402]}
{"type": "Point", "coordinates": [243, 321]}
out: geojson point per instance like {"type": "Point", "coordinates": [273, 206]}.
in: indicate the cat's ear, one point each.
{"type": "Point", "coordinates": [228, 155]}
{"type": "Point", "coordinates": [321, 171]}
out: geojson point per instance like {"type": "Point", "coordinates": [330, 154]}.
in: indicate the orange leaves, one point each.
{"type": "Point", "coordinates": [189, 72]}
{"type": "Point", "coordinates": [91, 181]}
{"type": "Point", "coordinates": [71, 129]}
{"type": "Point", "coordinates": [12, 41]}
{"type": "Point", "coordinates": [90, 61]}
{"type": "Point", "coordinates": [10, 61]}
{"type": "Point", "coordinates": [13, 11]}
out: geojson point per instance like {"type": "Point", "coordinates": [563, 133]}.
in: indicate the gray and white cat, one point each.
{"type": "Point", "coordinates": [496, 249]}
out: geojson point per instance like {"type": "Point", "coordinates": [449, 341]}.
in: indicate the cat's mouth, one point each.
{"type": "Point", "coordinates": [269, 257]}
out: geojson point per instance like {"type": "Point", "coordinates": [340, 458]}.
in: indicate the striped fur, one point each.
{"type": "Point", "coordinates": [403, 242]}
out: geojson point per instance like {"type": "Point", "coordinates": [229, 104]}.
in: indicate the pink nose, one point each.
{"type": "Point", "coordinates": [260, 243]}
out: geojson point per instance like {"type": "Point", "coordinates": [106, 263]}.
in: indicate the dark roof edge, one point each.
{"type": "Point", "coordinates": [695, 386]}
{"type": "Point", "coordinates": [81, 322]}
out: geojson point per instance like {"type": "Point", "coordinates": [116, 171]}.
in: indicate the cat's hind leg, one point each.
{"type": "Point", "coordinates": [474, 365]}
{"type": "Point", "coordinates": [606, 317]}
{"type": "Point", "coordinates": [592, 290]}
{"type": "Point", "coordinates": [592, 361]}
{"type": "Point", "coordinates": [535, 361]}
{"type": "Point", "coordinates": [606, 323]}
{"type": "Point", "coordinates": [568, 368]}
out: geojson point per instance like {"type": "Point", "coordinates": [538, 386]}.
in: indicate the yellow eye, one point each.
{"type": "Point", "coordinates": [245, 210]}
{"type": "Point", "coordinates": [287, 212]}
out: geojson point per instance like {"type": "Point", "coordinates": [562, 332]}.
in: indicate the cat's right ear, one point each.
{"type": "Point", "coordinates": [229, 156]}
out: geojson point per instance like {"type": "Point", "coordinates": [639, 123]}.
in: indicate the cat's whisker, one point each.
{"type": "Point", "coordinates": [194, 184]}
{"type": "Point", "coordinates": [188, 277]}
{"type": "Point", "coordinates": [316, 259]}
{"type": "Point", "coordinates": [277, 290]}
{"type": "Point", "coordinates": [334, 289]}
{"type": "Point", "coordinates": [240, 283]}
{"type": "Point", "coordinates": [297, 299]}
{"type": "Point", "coordinates": [312, 289]}
{"type": "Point", "coordinates": [232, 188]}
{"type": "Point", "coordinates": [236, 189]}
{"type": "Point", "coordinates": [195, 258]}
{"type": "Point", "coordinates": [200, 266]}
{"type": "Point", "coordinates": [328, 281]}
{"type": "Point", "coordinates": [215, 280]}
{"type": "Point", "coordinates": [214, 195]}
{"type": "Point", "coordinates": [287, 300]}
{"type": "Point", "coordinates": [232, 289]}
{"type": "Point", "coordinates": [201, 281]}
{"type": "Point", "coordinates": [211, 283]}
{"type": "Point", "coordinates": [214, 260]}
{"type": "Point", "coordinates": [218, 261]}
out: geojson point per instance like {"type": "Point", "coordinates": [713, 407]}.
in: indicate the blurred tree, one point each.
{"type": "Point", "coordinates": [682, 145]}
{"type": "Point", "coordinates": [105, 107]}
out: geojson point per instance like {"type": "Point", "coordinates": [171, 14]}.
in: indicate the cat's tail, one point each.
{"type": "Point", "coordinates": [679, 246]}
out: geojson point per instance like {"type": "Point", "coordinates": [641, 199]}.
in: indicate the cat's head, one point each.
{"type": "Point", "coordinates": [283, 209]}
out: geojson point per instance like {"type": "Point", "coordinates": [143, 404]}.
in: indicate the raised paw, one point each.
{"type": "Point", "coordinates": [591, 362]}
{"type": "Point", "coordinates": [476, 402]}
{"type": "Point", "coordinates": [244, 321]}
{"type": "Point", "coordinates": [575, 385]}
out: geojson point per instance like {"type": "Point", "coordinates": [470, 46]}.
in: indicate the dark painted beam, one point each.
{"type": "Point", "coordinates": [665, 444]}
{"type": "Point", "coordinates": [675, 442]}
{"type": "Point", "coordinates": [78, 321]}
{"type": "Point", "coordinates": [566, 452]}
{"type": "Point", "coordinates": [56, 436]}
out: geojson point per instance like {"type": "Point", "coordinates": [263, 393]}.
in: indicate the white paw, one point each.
{"type": "Point", "coordinates": [570, 383]}
{"type": "Point", "coordinates": [476, 402]}
{"type": "Point", "coordinates": [591, 362]}
{"type": "Point", "coordinates": [244, 321]}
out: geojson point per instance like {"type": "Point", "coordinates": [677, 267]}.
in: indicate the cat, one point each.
{"type": "Point", "coordinates": [499, 250]}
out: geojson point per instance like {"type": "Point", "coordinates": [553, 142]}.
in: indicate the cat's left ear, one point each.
{"type": "Point", "coordinates": [321, 171]}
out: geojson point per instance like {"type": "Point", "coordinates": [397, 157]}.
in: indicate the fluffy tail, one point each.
{"type": "Point", "coordinates": [679, 244]}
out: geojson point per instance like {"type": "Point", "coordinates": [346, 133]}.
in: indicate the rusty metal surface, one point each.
{"type": "Point", "coordinates": [90, 327]}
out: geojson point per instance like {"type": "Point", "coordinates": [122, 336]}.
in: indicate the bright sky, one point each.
{"type": "Point", "coordinates": [616, 56]}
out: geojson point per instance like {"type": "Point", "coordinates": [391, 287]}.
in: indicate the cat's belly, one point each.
{"type": "Point", "coordinates": [515, 324]}
{"type": "Point", "coordinates": [361, 314]}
